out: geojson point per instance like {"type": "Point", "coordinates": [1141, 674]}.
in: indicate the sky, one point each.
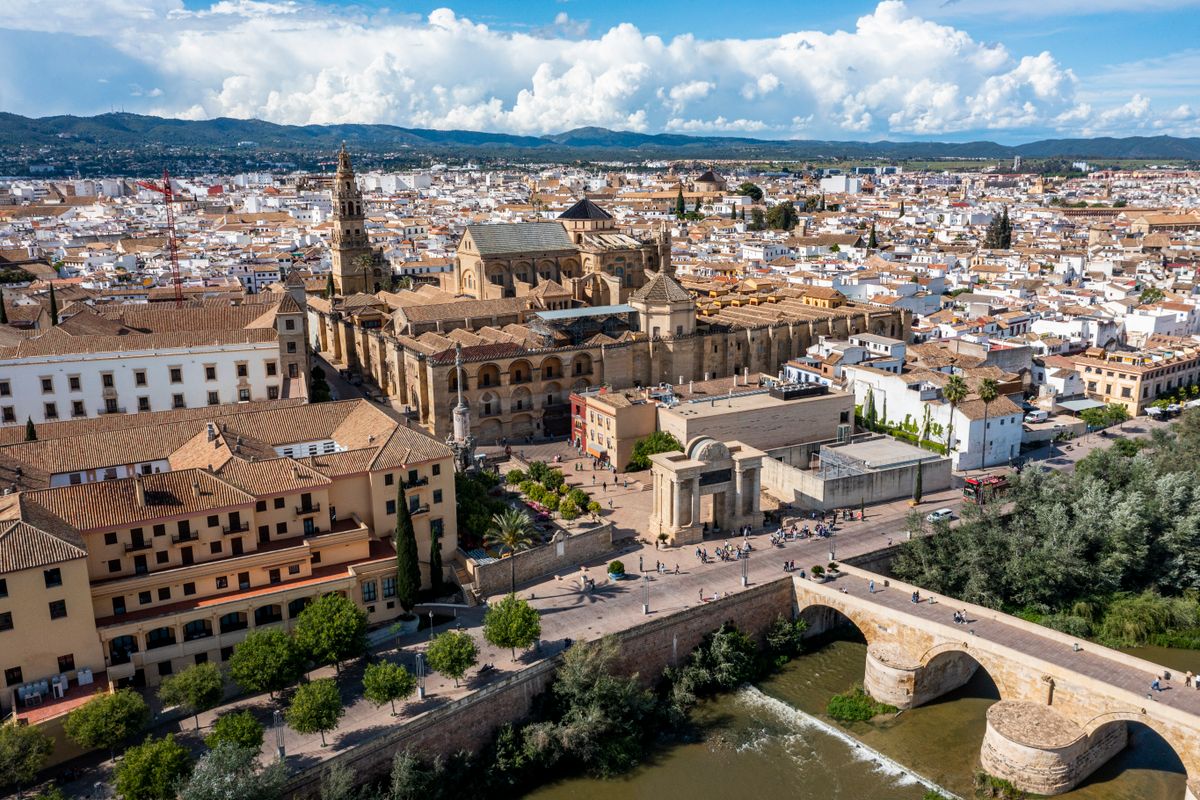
{"type": "Point", "coordinates": [952, 70]}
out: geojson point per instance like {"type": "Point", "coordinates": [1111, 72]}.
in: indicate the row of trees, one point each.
{"type": "Point", "coordinates": [594, 719]}
{"type": "Point", "coordinates": [1110, 551]}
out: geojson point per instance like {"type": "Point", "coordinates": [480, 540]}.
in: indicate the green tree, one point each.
{"type": "Point", "coordinates": [24, 750]}
{"type": "Point", "coordinates": [339, 782]}
{"type": "Point", "coordinates": [408, 570]}
{"type": "Point", "coordinates": [680, 206]}
{"type": "Point", "coordinates": [30, 430]}
{"type": "Point", "coordinates": [266, 661]}
{"type": "Point", "coordinates": [1151, 294]}
{"type": "Point", "coordinates": [511, 531]}
{"type": "Point", "coordinates": [230, 772]}
{"type": "Point", "coordinates": [318, 387]}
{"type": "Point", "coordinates": [238, 728]}
{"type": "Point", "coordinates": [988, 392]}
{"type": "Point", "coordinates": [873, 242]}
{"type": "Point", "coordinates": [3, 309]}
{"type": "Point", "coordinates": [437, 572]}
{"type": "Point", "coordinates": [197, 688]}
{"type": "Point", "coordinates": [153, 770]}
{"type": "Point", "coordinates": [331, 629]}
{"type": "Point", "coordinates": [53, 305]}
{"type": "Point", "coordinates": [329, 290]}
{"type": "Point", "coordinates": [748, 189]}
{"type": "Point", "coordinates": [107, 719]}
{"type": "Point", "coordinates": [918, 488]}
{"type": "Point", "coordinates": [782, 216]}
{"type": "Point", "coordinates": [316, 708]}
{"type": "Point", "coordinates": [452, 653]}
{"type": "Point", "coordinates": [657, 442]}
{"type": "Point", "coordinates": [955, 391]}
{"type": "Point", "coordinates": [512, 623]}
{"type": "Point", "coordinates": [385, 682]}
{"type": "Point", "coordinates": [999, 232]}
{"type": "Point", "coordinates": [758, 220]}
{"type": "Point", "coordinates": [696, 209]}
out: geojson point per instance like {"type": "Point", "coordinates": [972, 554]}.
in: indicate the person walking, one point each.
{"type": "Point", "coordinates": [871, 586]}
{"type": "Point", "coordinates": [702, 595]}
{"type": "Point", "coordinates": [1187, 678]}
{"type": "Point", "coordinates": [641, 568]}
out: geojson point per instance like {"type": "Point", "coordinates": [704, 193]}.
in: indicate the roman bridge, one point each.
{"type": "Point", "coordinates": [1064, 703]}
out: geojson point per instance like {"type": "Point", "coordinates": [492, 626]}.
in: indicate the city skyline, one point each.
{"type": "Point", "coordinates": [919, 70]}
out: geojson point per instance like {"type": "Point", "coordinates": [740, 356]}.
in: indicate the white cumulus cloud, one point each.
{"type": "Point", "coordinates": [895, 72]}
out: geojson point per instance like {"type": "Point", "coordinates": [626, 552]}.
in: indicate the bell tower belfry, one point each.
{"type": "Point", "coordinates": [354, 262]}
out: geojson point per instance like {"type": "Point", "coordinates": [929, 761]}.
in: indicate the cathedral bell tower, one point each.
{"type": "Point", "coordinates": [355, 266]}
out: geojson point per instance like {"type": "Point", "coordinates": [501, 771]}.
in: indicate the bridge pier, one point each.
{"type": "Point", "coordinates": [894, 678]}
{"type": "Point", "coordinates": [1039, 750]}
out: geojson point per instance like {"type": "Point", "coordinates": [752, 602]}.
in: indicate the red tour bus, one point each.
{"type": "Point", "coordinates": [982, 489]}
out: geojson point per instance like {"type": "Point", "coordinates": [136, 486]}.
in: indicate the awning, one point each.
{"type": "Point", "coordinates": [1075, 406]}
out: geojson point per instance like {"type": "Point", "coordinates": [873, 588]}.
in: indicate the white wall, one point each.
{"type": "Point", "coordinates": [27, 400]}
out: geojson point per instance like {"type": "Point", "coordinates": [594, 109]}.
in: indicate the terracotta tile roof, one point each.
{"type": "Point", "coordinates": [23, 546]}
{"type": "Point", "coordinates": [114, 504]}
{"type": "Point", "coordinates": [277, 476]}
{"type": "Point", "coordinates": [56, 342]}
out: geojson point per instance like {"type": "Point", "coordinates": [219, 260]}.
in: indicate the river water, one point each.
{"type": "Point", "coordinates": [773, 740]}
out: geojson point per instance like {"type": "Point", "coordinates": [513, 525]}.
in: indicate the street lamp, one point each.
{"type": "Point", "coordinates": [277, 719]}
{"type": "Point", "coordinates": [745, 561]}
{"type": "Point", "coordinates": [645, 594]}
{"type": "Point", "coordinates": [420, 676]}
{"type": "Point", "coordinates": [431, 625]}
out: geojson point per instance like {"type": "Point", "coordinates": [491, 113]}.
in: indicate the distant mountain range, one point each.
{"type": "Point", "coordinates": [134, 131]}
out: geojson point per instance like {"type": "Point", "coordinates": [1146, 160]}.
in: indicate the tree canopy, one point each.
{"type": "Point", "coordinates": [153, 770]}
{"type": "Point", "coordinates": [512, 623]}
{"type": "Point", "coordinates": [408, 570]}
{"type": "Point", "coordinates": [197, 688]}
{"type": "Point", "coordinates": [107, 719]}
{"type": "Point", "coordinates": [1111, 550]}
{"type": "Point", "coordinates": [230, 772]}
{"type": "Point", "coordinates": [452, 653]}
{"type": "Point", "coordinates": [238, 728]}
{"type": "Point", "coordinates": [266, 661]}
{"type": "Point", "coordinates": [385, 682]}
{"type": "Point", "coordinates": [316, 708]}
{"type": "Point", "coordinates": [24, 750]}
{"type": "Point", "coordinates": [331, 629]}
{"type": "Point", "coordinates": [999, 232]}
{"type": "Point", "coordinates": [751, 190]}
{"type": "Point", "coordinates": [657, 442]}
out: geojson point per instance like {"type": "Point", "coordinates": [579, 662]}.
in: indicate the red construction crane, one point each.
{"type": "Point", "coordinates": [169, 197]}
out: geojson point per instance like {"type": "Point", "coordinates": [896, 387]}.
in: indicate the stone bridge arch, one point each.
{"type": "Point", "coordinates": [824, 617]}
{"type": "Point", "coordinates": [1181, 742]}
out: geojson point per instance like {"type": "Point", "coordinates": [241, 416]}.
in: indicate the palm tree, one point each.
{"type": "Point", "coordinates": [955, 391]}
{"type": "Point", "coordinates": [988, 391]}
{"type": "Point", "coordinates": [511, 530]}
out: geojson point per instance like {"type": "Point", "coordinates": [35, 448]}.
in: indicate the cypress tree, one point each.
{"type": "Point", "coordinates": [733, 212]}
{"type": "Point", "coordinates": [697, 208]}
{"type": "Point", "coordinates": [902, 208]}
{"type": "Point", "coordinates": [435, 560]}
{"type": "Point", "coordinates": [30, 431]}
{"type": "Point", "coordinates": [329, 286]}
{"type": "Point", "coordinates": [917, 488]}
{"type": "Point", "coordinates": [408, 571]}
{"type": "Point", "coordinates": [873, 243]}
{"type": "Point", "coordinates": [680, 206]}
{"type": "Point", "coordinates": [3, 310]}
{"type": "Point", "coordinates": [53, 306]}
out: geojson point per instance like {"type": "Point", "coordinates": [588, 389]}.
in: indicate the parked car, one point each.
{"type": "Point", "coordinates": [942, 514]}
{"type": "Point", "coordinates": [1037, 416]}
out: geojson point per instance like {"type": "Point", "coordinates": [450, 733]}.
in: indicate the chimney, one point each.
{"type": "Point", "coordinates": [212, 431]}
{"type": "Point", "coordinates": [691, 387]}
{"type": "Point", "coordinates": [295, 472]}
{"type": "Point", "coordinates": [195, 488]}
{"type": "Point", "coordinates": [140, 489]}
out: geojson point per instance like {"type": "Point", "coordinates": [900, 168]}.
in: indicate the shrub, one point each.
{"type": "Point", "coordinates": [238, 728]}
{"type": "Point", "coordinates": [568, 509]}
{"type": "Point", "coordinates": [594, 508]}
{"type": "Point", "coordinates": [657, 442]}
{"type": "Point", "coordinates": [785, 638]}
{"type": "Point", "coordinates": [615, 567]}
{"type": "Point", "coordinates": [153, 770]}
{"type": "Point", "coordinates": [515, 476]}
{"type": "Point", "coordinates": [856, 705]}
{"type": "Point", "coordinates": [818, 570]}
{"type": "Point", "coordinates": [579, 497]}
{"type": "Point", "coordinates": [527, 487]}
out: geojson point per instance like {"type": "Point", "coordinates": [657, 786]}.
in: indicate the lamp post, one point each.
{"type": "Point", "coordinates": [277, 719]}
{"type": "Point", "coordinates": [431, 626]}
{"type": "Point", "coordinates": [645, 594]}
{"type": "Point", "coordinates": [420, 676]}
{"type": "Point", "coordinates": [745, 561]}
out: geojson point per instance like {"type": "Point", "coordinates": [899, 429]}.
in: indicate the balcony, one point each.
{"type": "Point", "coordinates": [241, 527]}
{"type": "Point", "coordinates": [180, 538]}
{"type": "Point", "coordinates": [421, 509]}
{"type": "Point", "coordinates": [116, 410]}
{"type": "Point", "coordinates": [133, 547]}
{"type": "Point", "coordinates": [311, 508]}
{"type": "Point", "coordinates": [422, 481]}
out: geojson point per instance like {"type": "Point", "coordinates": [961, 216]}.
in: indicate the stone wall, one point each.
{"type": "Point", "coordinates": [566, 552]}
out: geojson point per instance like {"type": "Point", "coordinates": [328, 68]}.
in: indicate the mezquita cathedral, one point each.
{"type": "Point", "coordinates": [542, 309]}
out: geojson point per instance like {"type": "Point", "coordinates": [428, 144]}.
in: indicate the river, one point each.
{"type": "Point", "coordinates": [773, 740]}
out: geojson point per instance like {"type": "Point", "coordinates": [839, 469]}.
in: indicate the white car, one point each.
{"type": "Point", "coordinates": [940, 515]}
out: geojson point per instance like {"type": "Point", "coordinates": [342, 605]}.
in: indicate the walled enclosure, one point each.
{"type": "Point", "coordinates": [564, 551]}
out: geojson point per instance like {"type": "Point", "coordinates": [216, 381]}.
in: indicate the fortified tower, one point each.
{"type": "Point", "coordinates": [355, 267]}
